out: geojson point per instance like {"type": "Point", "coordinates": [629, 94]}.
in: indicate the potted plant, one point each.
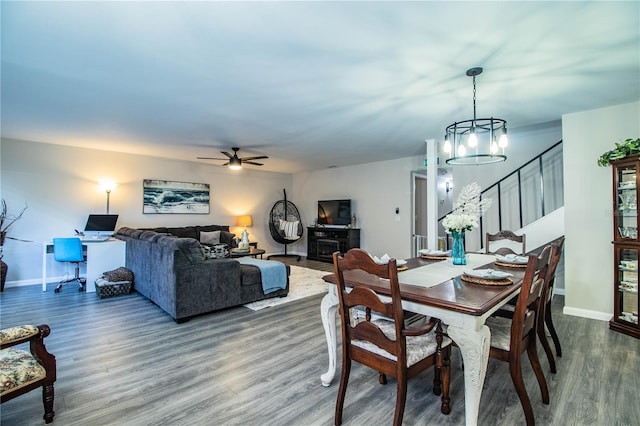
{"type": "Point", "coordinates": [6, 220]}
{"type": "Point", "coordinates": [628, 147]}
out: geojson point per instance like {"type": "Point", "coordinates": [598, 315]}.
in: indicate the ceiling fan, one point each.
{"type": "Point", "coordinates": [234, 162]}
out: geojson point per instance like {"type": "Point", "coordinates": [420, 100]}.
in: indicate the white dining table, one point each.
{"type": "Point", "coordinates": [434, 288]}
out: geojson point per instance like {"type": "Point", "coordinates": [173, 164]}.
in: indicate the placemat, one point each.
{"type": "Point", "coordinates": [426, 256]}
{"type": "Point", "coordinates": [511, 265]}
{"type": "Point", "coordinates": [505, 281]}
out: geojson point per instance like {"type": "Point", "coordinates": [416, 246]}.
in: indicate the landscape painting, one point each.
{"type": "Point", "coordinates": [165, 196]}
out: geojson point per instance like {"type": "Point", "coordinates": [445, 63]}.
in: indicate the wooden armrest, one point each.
{"type": "Point", "coordinates": [21, 334]}
{"type": "Point", "coordinates": [417, 331]}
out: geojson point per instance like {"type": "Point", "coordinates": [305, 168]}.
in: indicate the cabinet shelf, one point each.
{"type": "Point", "coordinates": [626, 246]}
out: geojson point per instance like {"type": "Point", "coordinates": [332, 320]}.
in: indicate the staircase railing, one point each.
{"type": "Point", "coordinates": [547, 202]}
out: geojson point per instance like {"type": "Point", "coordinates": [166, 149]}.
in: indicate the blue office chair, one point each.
{"type": "Point", "coordinates": [69, 250]}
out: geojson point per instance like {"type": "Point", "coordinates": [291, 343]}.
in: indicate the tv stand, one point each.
{"type": "Point", "coordinates": [323, 242]}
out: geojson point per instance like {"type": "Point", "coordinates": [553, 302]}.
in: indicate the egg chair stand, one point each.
{"type": "Point", "coordinates": [285, 225]}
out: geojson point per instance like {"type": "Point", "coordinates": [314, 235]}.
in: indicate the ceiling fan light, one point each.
{"type": "Point", "coordinates": [235, 164]}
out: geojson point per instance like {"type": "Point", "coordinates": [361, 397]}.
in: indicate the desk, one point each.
{"type": "Point", "coordinates": [101, 257]}
{"type": "Point", "coordinates": [463, 306]}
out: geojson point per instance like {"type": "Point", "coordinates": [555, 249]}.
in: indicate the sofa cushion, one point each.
{"type": "Point", "coordinates": [250, 275]}
{"type": "Point", "coordinates": [150, 236]}
{"type": "Point", "coordinates": [185, 232]}
{"type": "Point", "coordinates": [209, 228]}
{"type": "Point", "coordinates": [129, 232]}
{"type": "Point", "coordinates": [212, 237]}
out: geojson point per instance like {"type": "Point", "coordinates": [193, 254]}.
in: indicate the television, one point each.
{"type": "Point", "coordinates": [334, 212]}
{"type": "Point", "coordinates": [101, 224]}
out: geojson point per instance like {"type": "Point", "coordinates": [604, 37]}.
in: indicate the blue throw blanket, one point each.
{"type": "Point", "coordinates": [274, 273]}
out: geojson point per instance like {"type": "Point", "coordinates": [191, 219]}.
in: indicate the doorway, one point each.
{"type": "Point", "coordinates": [419, 211]}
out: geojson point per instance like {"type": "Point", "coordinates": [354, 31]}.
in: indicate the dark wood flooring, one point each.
{"type": "Point", "coordinates": [123, 361]}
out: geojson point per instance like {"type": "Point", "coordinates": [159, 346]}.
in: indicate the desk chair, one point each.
{"type": "Point", "coordinates": [69, 250]}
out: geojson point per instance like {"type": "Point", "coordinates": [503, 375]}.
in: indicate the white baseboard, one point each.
{"type": "Point", "coordinates": [583, 313]}
{"type": "Point", "coordinates": [33, 281]}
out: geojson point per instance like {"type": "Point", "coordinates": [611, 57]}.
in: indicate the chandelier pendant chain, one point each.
{"type": "Point", "coordinates": [474, 100]}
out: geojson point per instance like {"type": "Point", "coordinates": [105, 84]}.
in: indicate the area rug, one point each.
{"type": "Point", "coordinates": [303, 282]}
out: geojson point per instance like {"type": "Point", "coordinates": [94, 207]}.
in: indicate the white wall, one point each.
{"type": "Point", "coordinates": [60, 186]}
{"type": "Point", "coordinates": [588, 206]}
{"type": "Point", "coordinates": [375, 190]}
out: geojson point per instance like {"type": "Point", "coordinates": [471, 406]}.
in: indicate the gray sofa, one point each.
{"type": "Point", "coordinates": [170, 268]}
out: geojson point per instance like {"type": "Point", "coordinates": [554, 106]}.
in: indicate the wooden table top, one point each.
{"type": "Point", "coordinates": [454, 294]}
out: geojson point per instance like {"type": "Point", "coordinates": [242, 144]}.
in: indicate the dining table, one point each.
{"type": "Point", "coordinates": [436, 288]}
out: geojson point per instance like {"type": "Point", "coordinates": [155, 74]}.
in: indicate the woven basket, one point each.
{"type": "Point", "coordinates": [106, 288]}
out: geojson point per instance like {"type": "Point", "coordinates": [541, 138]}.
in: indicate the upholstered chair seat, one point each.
{"type": "Point", "coordinates": [22, 371]}
{"type": "Point", "coordinates": [418, 347]}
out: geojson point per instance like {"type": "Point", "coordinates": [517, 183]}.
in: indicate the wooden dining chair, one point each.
{"type": "Point", "coordinates": [511, 337]}
{"type": "Point", "coordinates": [544, 316]}
{"type": "Point", "coordinates": [22, 370]}
{"type": "Point", "coordinates": [389, 347]}
{"type": "Point", "coordinates": [504, 242]}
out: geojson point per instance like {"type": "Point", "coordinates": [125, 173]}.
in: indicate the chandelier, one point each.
{"type": "Point", "coordinates": [476, 141]}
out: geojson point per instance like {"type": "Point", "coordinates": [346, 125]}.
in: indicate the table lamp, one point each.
{"type": "Point", "coordinates": [244, 221]}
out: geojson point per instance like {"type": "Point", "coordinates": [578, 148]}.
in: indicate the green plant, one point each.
{"type": "Point", "coordinates": [628, 147]}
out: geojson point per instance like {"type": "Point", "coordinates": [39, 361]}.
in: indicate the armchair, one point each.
{"type": "Point", "coordinates": [23, 371]}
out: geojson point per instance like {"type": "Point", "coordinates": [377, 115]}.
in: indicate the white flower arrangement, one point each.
{"type": "Point", "coordinates": [467, 210]}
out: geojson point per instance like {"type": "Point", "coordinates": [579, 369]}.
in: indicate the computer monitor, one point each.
{"type": "Point", "coordinates": [101, 224]}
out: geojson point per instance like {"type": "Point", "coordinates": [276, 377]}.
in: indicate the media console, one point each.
{"type": "Point", "coordinates": [323, 242]}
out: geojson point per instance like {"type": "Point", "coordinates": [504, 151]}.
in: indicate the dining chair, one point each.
{"type": "Point", "coordinates": [22, 371]}
{"type": "Point", "coordinates": [389, 347]}
{"type": "Point", "coordinates": [505, 242]}
{"type": "Point", "coordinates": [511, 337]}
{"type": "Point", "coordinates": [545, 307]}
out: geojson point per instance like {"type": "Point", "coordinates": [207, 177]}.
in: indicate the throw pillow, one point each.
{"type": "Point", "coordinates": [212, 237]}
{"type": "Point", "coordinates": [290, 229]}
{"type": "Point", "coordinates": [118, 275]}
{"type": "Point", "coordinates": [228, 238]}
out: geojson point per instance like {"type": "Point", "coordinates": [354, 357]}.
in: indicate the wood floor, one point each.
{"type": "Point", "coordinates": [123, 361]}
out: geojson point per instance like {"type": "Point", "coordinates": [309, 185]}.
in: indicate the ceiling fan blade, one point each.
{"type": "Point", "coordinates": [260, 157]}
{"type": "Point", "coordinates": [251, 162]}
{"type": "Point", "coordinates": [211, 158]}
{"type": "Point", "coordinates": [227, 154]}
{"type": "Point", "coordinates": [225, 164]}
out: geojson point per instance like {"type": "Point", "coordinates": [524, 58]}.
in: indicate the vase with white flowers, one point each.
{"type": "Point", "coordinates": [465, 216]}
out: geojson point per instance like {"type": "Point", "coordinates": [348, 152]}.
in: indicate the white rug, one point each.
{"type": "Point", "coordinates": [303, 282]}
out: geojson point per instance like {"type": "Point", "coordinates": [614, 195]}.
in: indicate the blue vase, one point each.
{"type": "Point", "coordinates": [458, 257]}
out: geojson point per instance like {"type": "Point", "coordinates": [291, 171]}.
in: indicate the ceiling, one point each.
{"type": "Point", "coordinates": [310, 84]}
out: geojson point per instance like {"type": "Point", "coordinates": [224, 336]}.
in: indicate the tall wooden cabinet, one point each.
{"type": "Point", "coordinates": [626, 244]}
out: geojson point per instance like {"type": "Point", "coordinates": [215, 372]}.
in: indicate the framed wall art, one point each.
{"type": "Point", "coordinates": [165, 196]}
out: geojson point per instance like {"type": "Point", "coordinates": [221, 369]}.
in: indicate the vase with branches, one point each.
{"type": "Point", "coordinates": [6, 221]}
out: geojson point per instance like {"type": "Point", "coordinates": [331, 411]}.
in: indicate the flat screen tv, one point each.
{"type": "Point", "coordinates": [101, 224]}
{"type": "Point", "coordinates": [334, 212]}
